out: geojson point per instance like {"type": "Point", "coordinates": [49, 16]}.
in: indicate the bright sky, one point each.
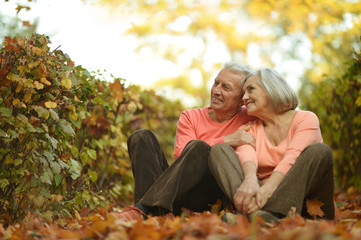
{"type": "Point", "coordinates": [89, 37]}
{"type": "Point", "coordinates": [93, 38]}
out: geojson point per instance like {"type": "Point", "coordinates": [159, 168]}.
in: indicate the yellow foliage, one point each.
{"type": "Point", "coordinates": [27, 97]}
{"type": "Point", "coordinates": [8, 160]}
{"type": "Point", "coordinates": [38, 85]}
{"type": "Point", "coordinates": [37, 51]}
{"type": "Point", "coordinates": [18, 88]}
{"type": "Point", "coordinates": [66, 82]}
{"type": "Point", "coordinates": [20, 68]}
{"type": "Point", "coordinates": [73, 116]}
{"type": "Point", "coordinates": [50, 104]}
{"type": "Point", "coordinates": [45, 81]}
{"type": "Point", "coordinates": [16, 101]}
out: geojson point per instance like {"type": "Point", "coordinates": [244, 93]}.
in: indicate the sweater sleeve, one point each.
{"type": "Point", "coordinates": [306, 131]}
{"type": "Point", "coordinates": [246, 152]}
{"type": "Point", "coordinates": [185, 133]}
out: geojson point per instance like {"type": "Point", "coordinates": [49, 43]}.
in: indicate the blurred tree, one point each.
{"type": "Point", "coordinates": [198, 35]}
{"type": "Point", "coordinates": [14, 26]}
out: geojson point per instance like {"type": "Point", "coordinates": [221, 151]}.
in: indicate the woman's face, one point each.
{"type": "Point", "coordinates": [255, 97]}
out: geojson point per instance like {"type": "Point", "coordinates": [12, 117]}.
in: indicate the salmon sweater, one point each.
{"type": "Point", "coordinates": [196, 124]}
{"type": "Point", "coordinates": [303, 131]}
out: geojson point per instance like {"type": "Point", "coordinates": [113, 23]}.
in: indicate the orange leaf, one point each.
{"type": "Point", "coordinates": [35, 122]}
{"type": "Point", "coordinates": [117, 89]}
{"type": "Point", "coordinates": [27, 24]}
{"type": "Point", "coordinates": [314, 208]}
{"type": "Point", "coordinates": [66, 234]}
{"type": "Point", "coordinates": [20, 7]}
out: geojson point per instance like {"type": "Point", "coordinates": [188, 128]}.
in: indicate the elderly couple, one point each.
{"type": "Point", "coordinates": [250, 148]}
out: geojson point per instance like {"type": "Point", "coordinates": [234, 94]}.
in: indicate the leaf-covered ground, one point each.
{"type": "Point", "coordinates": [104, 225]}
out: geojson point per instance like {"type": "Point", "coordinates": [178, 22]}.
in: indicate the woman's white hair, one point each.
{"type": "Point", "coordinates": [282, 96]}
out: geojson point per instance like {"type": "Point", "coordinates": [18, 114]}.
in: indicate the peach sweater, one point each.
{"type": "Point", "coordinates": [196, 124]}
{"type": "Point", "coordinates": [303, 131]}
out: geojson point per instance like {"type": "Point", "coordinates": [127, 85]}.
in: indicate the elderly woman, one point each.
{"type": "Point", "coordinates": [289, 164]}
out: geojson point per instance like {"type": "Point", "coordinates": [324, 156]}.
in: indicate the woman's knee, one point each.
{"type": "Point", "coordinates": [220, 147]}
{"type": "Point", "coordinates": [321, 152]}
{"type": "Point", "coordinates": [219, 151]}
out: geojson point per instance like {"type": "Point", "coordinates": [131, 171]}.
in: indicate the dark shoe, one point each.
{"type": "Point", "coordinates": [266, 216]}
{"type": "Point", "coordinates": [131, 213]}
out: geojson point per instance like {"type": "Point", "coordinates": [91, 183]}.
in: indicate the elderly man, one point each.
{"type": "Point", "coordinates": [188, 182]}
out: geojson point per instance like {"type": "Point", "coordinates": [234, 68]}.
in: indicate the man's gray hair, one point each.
{"type": "Point", "coordinates": [235, 67]}
{"type": "Point", "coordinates": [282, 96]}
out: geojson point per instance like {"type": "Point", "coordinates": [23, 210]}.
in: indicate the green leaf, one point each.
{"type": "Point", "coordinates": [67, 129]}
{"type": "Point", "coordinates": [358, 101]}
{"type": "Point", "coordinates": [85, 195]}
{"type": "Point", "coordinates": [34, 182]}
{"type": "Point", "coordinates": [55, 167]}
{"type": "Point", "coordinates": [48, 155]}
{"type": "Point", "coordinates": [92, 154]}
{"type": "Point", "coordinates": [84, 157]}
{"type": "Point", "coordinates": [45, 178]}
{"type": "Point", "coordinates": [93, 175]}
{"type": "Point", "coordinates": [22, 117]}
{"type": "Point", "coordinates": [75, 169]}
{"type": "Point", "coordinates": [30, 128]}
{"type": "Point", "coordinates": [63, 165]}
{"type": "Point", "coordinates": [58, 179]}
{"type": "Point", "coordinates": [74, 151]}
{"type": "Point", "coordinates": [21, 171]}
{"type": "Point", "coordinates": [3, 134]}
{"type": "Point", "coordinates": [6, 112]}
{"type": "Point", "coordinates": [4, 151]}
{"type": "Point", "coordinates": [4, 183]}
{"type": "Point", "coordinates": [17, 161]}
{"type": "Point", "coordinates": [54, 115]}
{"type": "Point", "coordinates": [43, 161]}
{"type": "Point", "coordinates": [53, 141]}
{"type": "Point", "coordinates": [48, 216]}
{"type": "Point", "coordinates": [42, 112]}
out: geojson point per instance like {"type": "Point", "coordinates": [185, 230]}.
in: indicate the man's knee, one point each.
{"type": "Point", "coordinates": [198, 145]}
{"type": "Point", "coordinates": [196, 149]}
{"type": "Point", "coordinates": [138, 135]}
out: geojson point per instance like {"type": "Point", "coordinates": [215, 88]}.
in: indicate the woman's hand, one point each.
{"type": "Point", "coordinates": [245, 193]}
{"type": "Point", "coordinates": [266, 191]}
{"type": "Point", "coordinates": [259, 200]}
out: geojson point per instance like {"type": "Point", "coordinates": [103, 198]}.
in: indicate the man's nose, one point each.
{"type": "Point", "coordinates": [217, 90]}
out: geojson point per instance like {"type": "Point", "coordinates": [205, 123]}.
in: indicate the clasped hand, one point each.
{"type": "Point", "coordinates": [250, 196]}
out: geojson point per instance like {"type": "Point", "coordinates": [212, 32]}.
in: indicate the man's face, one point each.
{"type": "Point", "coordinates": [226, 92]}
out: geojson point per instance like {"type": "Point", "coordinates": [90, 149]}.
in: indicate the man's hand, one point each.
{"type": "Point", "coordinates": [246, 194]}
{"type": "Point", "coordinates": [240, 137]}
